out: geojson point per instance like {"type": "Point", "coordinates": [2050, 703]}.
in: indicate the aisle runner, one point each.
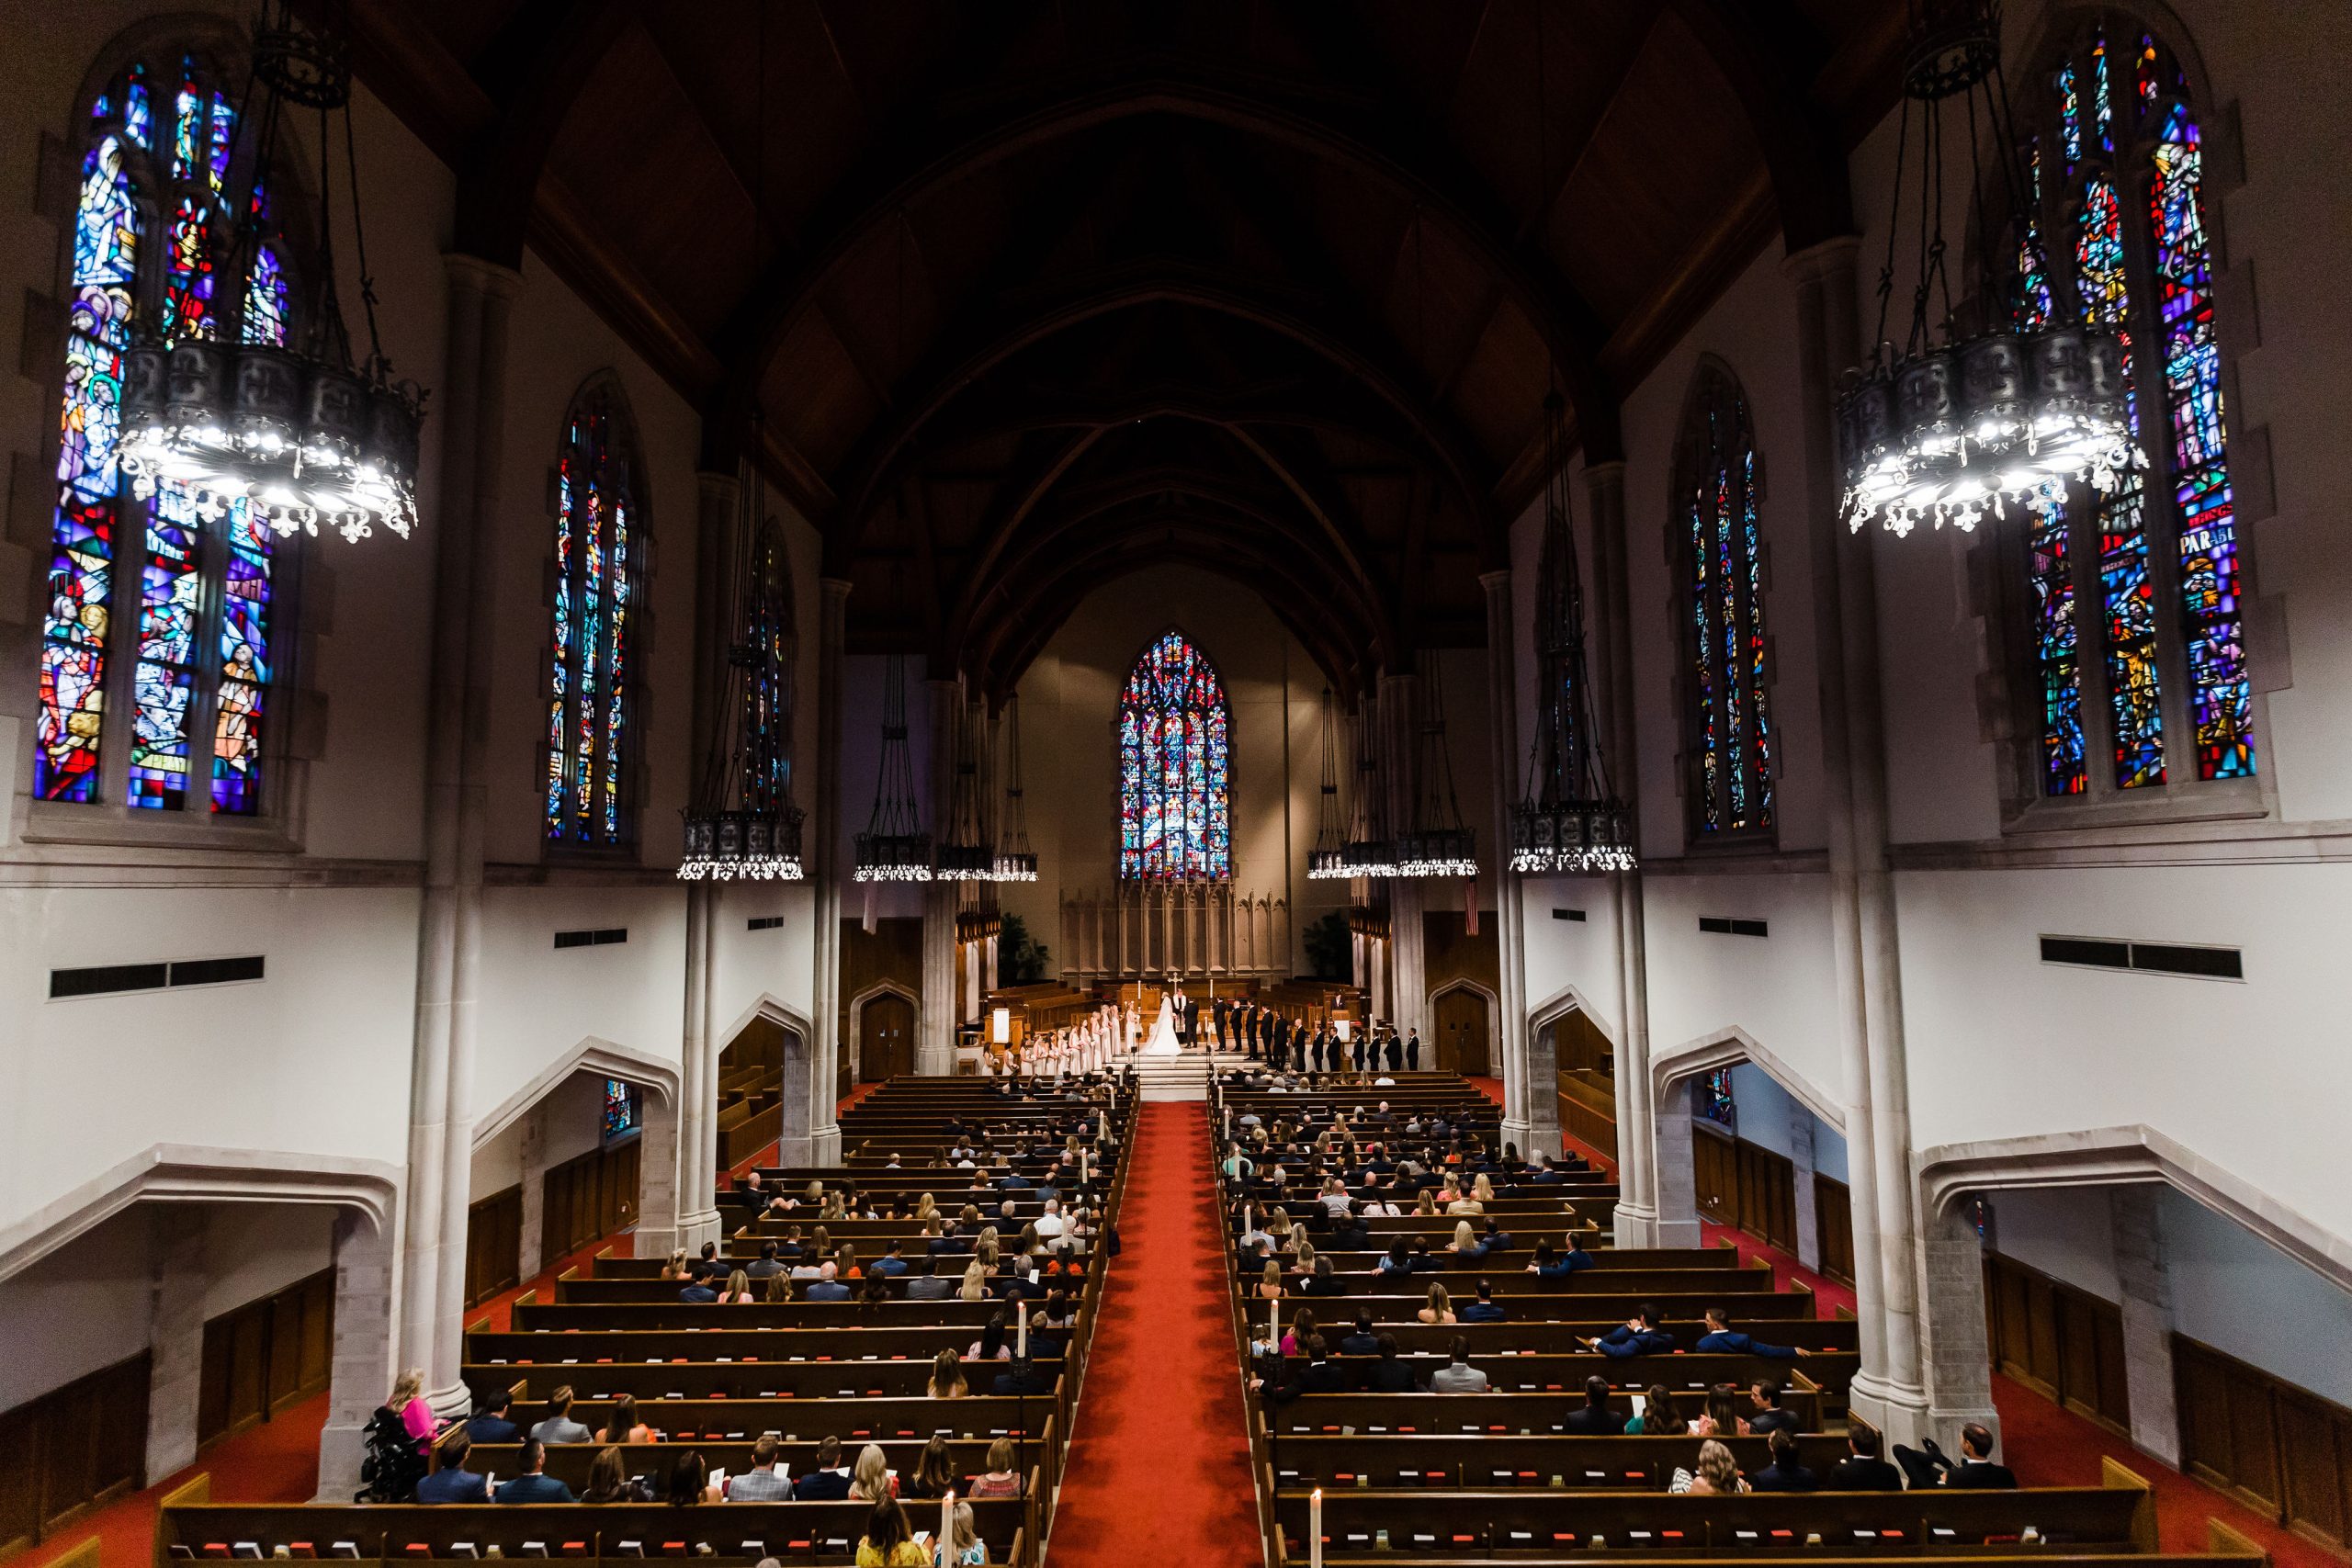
{"type": "Point", "coordinates": [1160, 1472]}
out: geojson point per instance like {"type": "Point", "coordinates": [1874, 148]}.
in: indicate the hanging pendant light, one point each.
{"type": "Point", "coordinates": [1368, 852]}
{"type": "Point", "coordinates": [1441, 844]}
{"type": "Point", "coordinates": [1327, 861]}
{"type": "Point", "coordinates": [894, 848]}
{"type": "Point", "coordinates": [1568, 821]}
{"type": "Point", "coordinates": [302, 433]}
{"type": "Point", "coordinates": [966, 853]}
{"type": "Point", "coordinates": [744, 824]}
{"type": "Point", "coordinates": [1015, 861]}
{"type": "Point", "coordinates": [1960, 423]}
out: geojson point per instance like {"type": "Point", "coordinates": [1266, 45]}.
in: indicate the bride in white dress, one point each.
{"type": "Point", "coordinates": [1163, 1032]}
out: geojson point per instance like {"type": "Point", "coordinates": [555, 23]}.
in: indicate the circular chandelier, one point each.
{"type": "Point", "coordinates": [302, 434]}
{"type": "Point", "coordinates": [1960, 424]}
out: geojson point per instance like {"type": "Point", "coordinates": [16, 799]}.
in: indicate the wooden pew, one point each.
{"type": "Point", "coordinates": [1527, 1415]}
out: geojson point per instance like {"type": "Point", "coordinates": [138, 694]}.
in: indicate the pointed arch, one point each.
{"type": "Point", "coordinates": [1717, 543]}
{"type": "Point", "coordinates": [601, 537]}
{"type": "Point", "coordinates": [1175, 766]}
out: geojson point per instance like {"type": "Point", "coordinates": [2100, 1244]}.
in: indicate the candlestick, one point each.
{"type": "Point", "coordinates": [947, 1527]}
{"type": "Point", "coordinates": [1315, 1530]}
{"type": "Point", "coordinates": [1021, 1346]}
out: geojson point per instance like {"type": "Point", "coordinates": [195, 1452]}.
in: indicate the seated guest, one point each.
{"type": "Point", "coordinates": [1321, 1376]}
{"type": "Point", "coordinates": [451, 1482]}
{"type": "Point", "coordinates": [559, 1427]}
{"type": "Point", "coordinates": [689, 1480]}
{"type": "Point", "coordinates": [1458, 1376]}
{"type": "Point", "coordinates": [608, 1481]}
{"type": "Point", "coordinates": [1975, 1469]}
{"type": "Point", "coordinates": [1719, 1340]}
{"type": "Point", "coordinates": [738, 1289]}
{"type": "Point", "coordinates": [870, 1479]}
{"type": "Point", "coordinates": [1439, 1310]}
{"type": "Point", "coordinates": [1863, 1470]}
{"type": "Point", "coordinates": [1766, 1417]}
{"type": "Point", "coordinates": [1720, 1417]}
{"type": "Point", "coordinates": [532, 1486]}
{"type": "Point", "coordinates": [1362, 1341]}
{"type": "Point", "coordinates": [675, 1271]}
{"type": "Point", "coordinates": [1399, 1260]}
{"type": "Point", "coordinates": [1658, 1416]}
{"type": "Point", "coordinates": [829, 1290]}
{"type": "Point", "coordinates": [963, 1545]}
{"type": "Point", "coordinates": [1557, 1266]}
{"type": "Point", "coordinates": [698, 1288]}
{"type": "Point", "coordinates": [766, 1263]}
{"type": "Point", "coordinates": [1494, 1238]}
{"type": "Point", "coordinates": [1637, 1336]}
{"type": "Point", "coordinates": [763, 1483]}
{"type": "Point", "coordinates": [622, 1427]}
{"type": "Point", "coordinates": [889, 1542]}
{"type": "Point", "coordinates": [1718, 1473]}
{"type": "Point", "coordinates": [1593, 1418]}
{"type": "Point", "coordinates": [1484, 1309]}
{"type": "Point", "coordinates": [827, 1481]}
{"type": "Point", "coordinates": [489, 1424]}
{"type": "Point", "coordinates": [947, 1376]}
{"type": "Point", "coordinates": [1023, 1377]}
{"type": "Point", "coordinates": [1000, 1479]}
{"type": "Point", "coordinates": [1784, 1473]}
{"type": "Point", "coordinates": [1389, 1375]}
{"type": "Point", "coordinates": [890, 1263]}
{"type": "Point", "coordinates": [931, 1285]}
{"type": "Point", "coordinates": [1466, 1245]}
{"type": "Point", "coordinates": [1548, 1172]}
{"type": "Point", "coordinates": [1323, 1281]}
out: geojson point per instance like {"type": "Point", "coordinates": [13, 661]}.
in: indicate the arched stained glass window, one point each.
{"type": "Point", "coordinates": [1175, 767]}
{"type": "Point", "coordinates": [2133, 614]}
{"type": "Point", "coordinates": [1728, 738]}
{"type": "Point", "coordinates": [159, 643]}
{"type": "Point", "coordinates": [599, 546]}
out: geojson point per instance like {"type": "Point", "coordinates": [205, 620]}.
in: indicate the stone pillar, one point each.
{"type": "Point", "coordinates": [794, 1142]}
{"type": "Point", "coordinates": [698, 1079]}
{"type": "Point", "coordinates": [1889, 1391]}
{"type": "Point", "coordinates": [533, 1151]}
{"type": "Point", "coordinates": [824, 831]}
{"type": "Point", "coordinates": [1960, 1352]}
{"type": "Point", "coordinates": [935, 1028]}
{"type": "Point", "coordinates": [175, 1334]}
{"type": "Point", "coordinates": [1408, 974]}
{"type": "Point", "coordinates": [1801, 1184]}
{"type": "Point", "coordinates": [1638, 1157]}
{"type": "Point", "coordinates": [656, 1180]}
{"type": "Point", "coordinates": [361, 1372]}
{"type": "Point", "coordinates": [1531, 1098]}
{"type": "Point", "coordinates": [2140, 1269]}
{"type": "Point", "coordinates": [440, 1143]}
{"type": "Point", "coordinates": [1677, 1176]}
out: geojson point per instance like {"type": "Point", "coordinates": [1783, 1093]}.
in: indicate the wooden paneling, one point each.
{"type": "Point", "coordinates": [1714, 1171]}
{"type": "Point", "coordinates": [493, 1245]}
{"type": "Point", "coordinates": [1588, 1108]}
{"type": "Point", "coordinates": [2063, 1343]}
{"type": "Point", "coordinates": [264, 1356]}
{"type": "Point", "coordinates": [1449, 952]}
{"type": "Point", "coordinates": [588, 1197]}
{"type": "Point", "coordinates": [1578, 1046]}
{"type": "Point", "coordinates": [885, 1038]}
{"type": "Point", "coordinates": [1833, 1219]}
{"type": "Point", "coordinates": [1746, 1185]}
{"type": "Point", "coordinates": [2274, 1446]}
{"type": "Point", "coordinates": [1462, 1033]}
{"type": "Point", "coordinates": [69, 1450]}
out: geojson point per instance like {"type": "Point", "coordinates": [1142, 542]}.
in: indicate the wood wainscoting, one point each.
{"type": "Point", "coordinates": [2063, 1343]}
{"type": "Point", "coordinates": [493, 1245]}
{"type": "Point", "coordinates": [1745, 1185]}
{"type": "Point", "coordinates": [2280, 1450]}
{"type": "Point", "coordinates": [69, 1450]}
{"type": "Point", "coordinates": [589, 1197]}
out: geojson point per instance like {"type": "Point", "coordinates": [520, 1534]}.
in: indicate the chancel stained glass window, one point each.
{"type": "Point", "coordinates": [1175, 767]}
{"type": "Point", "coordinates": [1728, 735]}
{"type": "Point", "coordinates": [2133, 622]}
{"type": "Point", "coordinates": [158, 642]}
{"type": "Point", "coordinates": [599, 543]}
{"type": "Point", "coordinates": [1715, 1100]}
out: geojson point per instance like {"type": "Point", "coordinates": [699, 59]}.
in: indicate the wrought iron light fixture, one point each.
{"type": "Point", "coordinates": [894, 848]}
{"type": "Point", "coordinates": [1963, 423]}
{"type": "Point", "coordinates": [1368, 852]}
{"type": "Point", "coordinates": [1327, 861]}
{"type": "Point", "coordinates": [744, 824]}
{"type": "Point", "coordinates": [1440, 845]}
{"type": "Point", "coordinates": [1569, 821]}
{"type": "Point", "coordinates": [301, 433]}
{"type": "Point", "coordinates": [967, 853]}
{"type": "Point", "coordinates": [1015, 861]}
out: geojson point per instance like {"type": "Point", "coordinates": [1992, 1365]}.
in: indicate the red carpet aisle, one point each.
{"type": "Point", "coordinates": [1161, 1470]}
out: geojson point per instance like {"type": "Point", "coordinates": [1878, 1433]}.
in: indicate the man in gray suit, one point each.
{"type": "Point", "coordinates": [931, 1285]}
{"type": "Point", "coordinates": [1459, 1376]}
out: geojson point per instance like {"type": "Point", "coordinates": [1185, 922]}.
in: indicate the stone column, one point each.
{"type": "Point", "coordinates": [1638, 1157]}
{"type": "Point", "coordinates": [440, 1143]}
{"type": "Point", "coordinates": [1678, 1178]}
{"type": "Point", "coordinates": [361, 1371]}
{"type": "Point", "coordinates": [175, 1334]}
{"type": "Point", "coordinates": [533, 1151]}
{"type": "Point", "coordinates": [1531, 1101]}
{"type": "Point", "coordinates": [718, 503]}
{"type": "Point", "coordinates": [2140, 1270]}
{"type": "Point", "coordinates": [1408, 974]}
{"type": "Point", "coordinates": [1889, 1391]}
{"type": "Point", "coordinates": [824, 836]}
{"type": "Point", "coordinates": [1801, 1185]}
{"type": "Point", "coordinates": [935, 1030]}
{"type": "Point", "coordinates": [698, 1081]}
{"type": "Point", "coordinates": [657, 1181]}
{"type": "Point", "coordinates": [1960, 1352]}
{"type": "Point", "coordinates": [793, 1139]}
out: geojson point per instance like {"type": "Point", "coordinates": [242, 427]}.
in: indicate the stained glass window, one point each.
{"type": "Point", "coordinates": [1175, 767]}
{"type": "Point", "coordinates": [2135, 626]}
{"type": "Point", "coordinates": [620, 1109]}
{"type": "Point", "coordinates": [158, 617]}
{"type": "Point", "coordinates": [599, 541]}
{"type": "Point", "coordinates": [1716, 1103]}
{"type": "Point", "coordinates": [1729, 731]}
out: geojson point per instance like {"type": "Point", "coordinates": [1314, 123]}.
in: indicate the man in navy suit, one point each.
{"type": "Point", "coordinates": [1719, 1340]}
{"type": "Point", "coordinates": [451, 1482]}
{"type": "Point", "coordinates": [532, 1486]}
{"type": "Point", "coordinates": [1637, 1336]}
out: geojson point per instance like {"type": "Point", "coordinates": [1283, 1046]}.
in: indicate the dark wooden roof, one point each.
{"type": "Point", "coordinates": [1045, 288]}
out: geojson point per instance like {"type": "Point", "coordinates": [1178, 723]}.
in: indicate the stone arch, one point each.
{"type": "Point", "coordinates": [658, 1148]}
{"type": "Point", "coordinates": [1671, 1073]}
{"type": "Point", "coordinates": [799, 1129]}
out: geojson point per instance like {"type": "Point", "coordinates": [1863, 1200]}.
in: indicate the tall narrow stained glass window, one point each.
{"type": "Point", "coordinates": [1175, 767]}
{"type": "Point", "coordinates": [1728, 735]}
{"type": "Point", "coordinates": [159, 639]}
{"type": "Point", "coordinates": [599, 545]}
{"type": "Point", "coordinates": [2133, 622]}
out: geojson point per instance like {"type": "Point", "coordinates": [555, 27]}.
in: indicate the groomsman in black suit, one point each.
{"type": "Point", "coordinates": [1395, 1053]}
{"type": "Point", "coordinates": [1218, 1011]}
{"type": "Point", "coordinates": [1356, 1046]}
{"type": "Point", "coordinates": [1412, 1050]}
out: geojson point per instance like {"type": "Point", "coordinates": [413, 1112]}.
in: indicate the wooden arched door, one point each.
{"type": "Point", "coordinates": [885, 1036]}
{"type": "Point", "coordinates": [1462, 1033]}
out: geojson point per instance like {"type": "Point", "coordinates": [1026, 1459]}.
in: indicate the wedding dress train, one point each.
{"type": "Point", "coordinates": [1163, 1032]}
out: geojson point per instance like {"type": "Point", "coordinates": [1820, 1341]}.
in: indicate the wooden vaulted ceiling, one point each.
{"type": "Point", "coordinates": [1028, 294]}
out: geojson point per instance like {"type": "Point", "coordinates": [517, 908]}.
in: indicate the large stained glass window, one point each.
{"type": "Point", "coordinates": [1175, 767]}
{"type": "Point", "coordinates": [599, 542]}
{"type": "Point", "coordinates": [2133, 622]}
{"type": "Point", "coordinates": [1728, 725]}
{"type": "Point", "coordinates": [156, 645]}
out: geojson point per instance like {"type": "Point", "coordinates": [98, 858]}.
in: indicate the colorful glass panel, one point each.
{"type": "Point", "coordinates": [620, 1109]}
{"type": "Point", "coordinates": [1716, 1103]}
{"type": "Point", "coordinates": [597, 524]}
{"type": "Point", "coordinates": [2102, 99]}
{"type": "Point", "coordinates": [1731, 746]}
{"type": "Point", "coordinates": [242, 699]}
{"type": "Point", "coordinates": [2070, 114]}
{"type": "Point", "coordinates": [1174, 767]}
{"type": "Point", "coordinates": [164, 680]}
{"type": "Point", "coordinates": [2056, 640]}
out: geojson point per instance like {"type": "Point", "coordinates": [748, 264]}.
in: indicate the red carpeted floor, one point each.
{"type": "Point", "coordinates": [1160, 1472]}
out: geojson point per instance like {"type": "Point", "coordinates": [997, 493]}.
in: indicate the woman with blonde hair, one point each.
{"type": "Point", "coordinates": [778, 1290]}
{"type": "Point", "coordinates": [926, 1207]}
{"type": "Point", "coordinates": [1482, 1190]}
{"type": "Point", "coordinates": [622, 1427]}
{"type": "Point", "coordinates": [1439, 1310]}
{"type": "Point", "coordinates": [738, 1291]}
{"type": "Point", "coordinates": [1269, 1284]}
{"type": "Point", "coordinates": [1424, 1204]}
{"type": "Point", "coordinates": [963, 1546]}
{"type": "Point", "coordinates": [870, 1481]}
{"type": "Point", "coordinates": [407, 1402]}
{"type": "Point", "coordinates": [975, 1287]}
{"type": "Point", "coordinates": [1305, 1256]}
{"type": "Point", "coordinates": [1718, 1473]}
{"type": "Point", "coordinates": [675, 1269]}
{"type": "Point", "coordinates": [947, 1376]}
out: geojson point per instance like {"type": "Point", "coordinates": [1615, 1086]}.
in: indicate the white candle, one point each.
{"type": "Point", "coordinates": [1021, 1346]}
{"type": "Point", "coordinates": [1084, 1174]}
{"type": "Point", "coordinates": [1315, 1530]}
{"type": "Point", "coordinates": [1275, 1323]}
{"type": "Point", "coordinates": [947, 1527]}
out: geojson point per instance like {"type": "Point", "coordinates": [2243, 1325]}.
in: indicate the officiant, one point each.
{"type": "Point", "coordinates": [1180, 1008]}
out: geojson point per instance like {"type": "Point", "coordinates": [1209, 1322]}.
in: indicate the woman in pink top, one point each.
{"type": "Point", "coordinates": [416, 1416]}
